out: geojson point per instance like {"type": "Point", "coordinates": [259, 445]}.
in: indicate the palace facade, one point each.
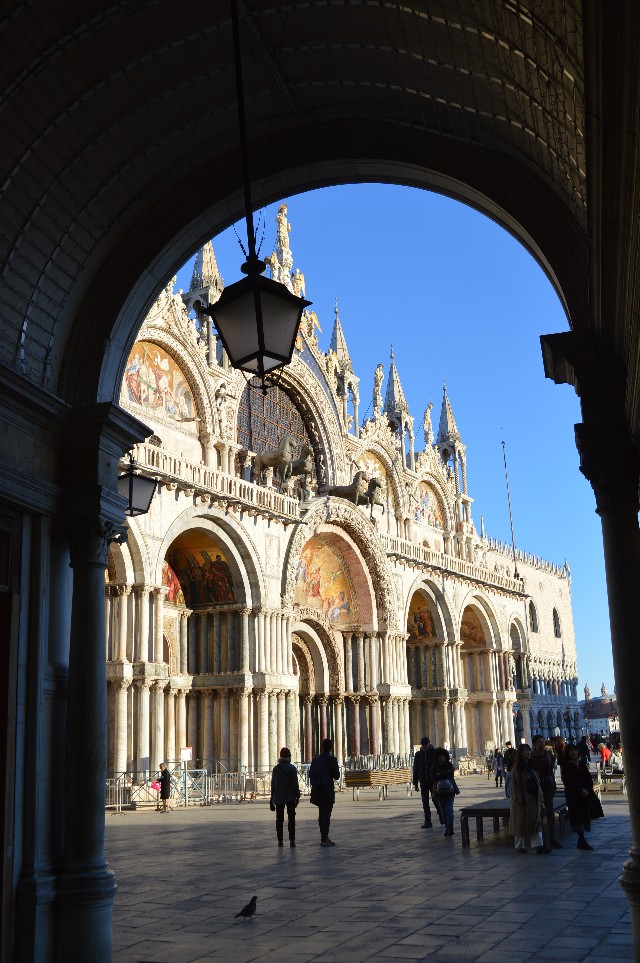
{"type": "Point", "coordinates": [258, 605]}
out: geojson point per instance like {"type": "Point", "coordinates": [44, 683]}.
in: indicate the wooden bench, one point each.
{"type": "Point", "coordinates": [498, 809]}
{"type": "Point", "coordinates": [380, 779]}
{"type": "Point", "coordinates": [610, 778]}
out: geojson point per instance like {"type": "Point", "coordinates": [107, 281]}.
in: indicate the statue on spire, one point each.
{"type": "Point", "coordinates": [281, 261]}
{"type": "Point", "coordinates": [378, 377]}
{"type": "Point", "coordinates": [427, 427]}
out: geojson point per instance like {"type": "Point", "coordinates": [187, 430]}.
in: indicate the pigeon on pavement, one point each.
{"type": "Point", "coordinates": [247, 911]}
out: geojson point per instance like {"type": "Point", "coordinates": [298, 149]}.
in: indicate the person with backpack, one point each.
{"type": "Point", "coordinates": [498, 768]}
{"type": "Point", "coordinates": [444, 786]}
{"type": "Point", "coordinates": [285, 792]}
{"type": "Point", "coordinates": [423, 763]}
{"type": "Point", "coordinates": [322, 772]}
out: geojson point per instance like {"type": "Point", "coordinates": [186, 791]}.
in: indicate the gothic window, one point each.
{"type": "Point", "coordinates": [556, 624]}
{"type": "Point", "coordinates": [533, 617]}
{"type": "Point", "coordinates": [264, 419]}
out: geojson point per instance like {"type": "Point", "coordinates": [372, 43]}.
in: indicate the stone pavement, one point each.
{"type": "Point", "coordinates": [387, 890]}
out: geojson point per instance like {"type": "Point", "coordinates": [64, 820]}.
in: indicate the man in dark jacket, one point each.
{"type": "Point", "coordinates": [423, 763]}
{"type": "Point", "coordinates": [285, 792]}
{"type": "Point", "coordinates": [509, 758]}
{"type": "Point", "coordinates": [323, 770]}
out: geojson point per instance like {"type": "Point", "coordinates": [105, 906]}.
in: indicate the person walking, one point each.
{"type": "Point", "coordinates": [498, 768]}
{"type": "Point", "coordinates": [285, 793]}
{"type": "Point", "coordinates": [322, 772]}
{"type": "Point", "coordinates": [582, 802]}
{"type": "Point", "coordinates": [525, 821]}
{"type": "Point", "coordinates": [509, 762]}
{"type": "Point", "coordinates": [165, 787]}
{"type": "Point", "coordinates": [444, 787]}
{"type": "Point", "coordinates": [423, 763]}
{"type": "Point", "coordinates": [542, 762]}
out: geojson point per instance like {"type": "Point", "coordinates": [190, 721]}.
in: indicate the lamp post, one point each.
{"type": "Point", "coordinates": [257, 318]}
{"type": "Point", "coordinates": [137, 490]}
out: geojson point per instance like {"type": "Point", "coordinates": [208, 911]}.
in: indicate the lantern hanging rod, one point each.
{"type": "Point", "coordinates": [244, 151]}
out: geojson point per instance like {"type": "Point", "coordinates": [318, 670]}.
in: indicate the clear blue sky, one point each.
{"type": "Point", "coordinates": [462, 301]}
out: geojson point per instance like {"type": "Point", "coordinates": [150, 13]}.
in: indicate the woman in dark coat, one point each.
{"type": "Point", "coordinates": [525, 820]}
{"type": "Point", "coordinates": [165, 787]}
{"type": "Point", "coordinates": [582, 802]}
{"type": "Point", "coordinates": [444, 787]}
{"type": "Point", "coordinates": [285, 792]}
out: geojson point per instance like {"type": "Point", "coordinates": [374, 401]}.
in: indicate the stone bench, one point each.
{"type": "Point", "coordinates": [379, 779]}
{"type": "Point", "coordinates": [498, 809]}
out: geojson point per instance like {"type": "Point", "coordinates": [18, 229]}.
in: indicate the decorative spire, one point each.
{"type": "Point", "coordinates": [205, 269]}
{"type": "Point", "coordinates": [338, 343]}
{"type": "Point", "coordinates": [448, 432]}
{"type": "Point", "coordinates": [395, 403]}
{"type": "Point", "coordinates": [206, 281]}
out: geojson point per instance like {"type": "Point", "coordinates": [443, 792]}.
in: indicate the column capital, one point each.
{"type": "Point", "coordinates": [143, 684]}
{"type": "Point", "coordinates": [322, 699]}
{"type": "Point", "coordinates": [610, 461]}
{"type": "Point", "coordinates": [160, 590]}
{"type": "Point", "coordinates": [89, 540]}
{"type": "Point", "coordinates": [122, 589]}
{"type": "Point", "coordinates": [121, 684]}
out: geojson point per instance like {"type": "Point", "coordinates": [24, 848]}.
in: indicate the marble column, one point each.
{"type": "Point", "coordinates": [207, 709]}
{"type": "Point", "coordinates": [355, 725]}
{"type": "Point", "coordinates": [322, 702]}
{"type": "Point", "coordinates": [274, 748]}
{"type": "Point", "coordinates": [292, 738]}
{"type": "Point", "coordinates": [157, 724]}
{"type": "Point", "coordinates": [360, 661]}
{"type": "Point", "coordinates": [244, 640]}
{"type": "Point", "coordinates": [281, 738]}
{"type": "Point", "coordinates": [203, 642]}
{"type": "Point", "coordinates": [120, 758]}
{"type": "Point", "coordinates": [123, 602]}
{"type": "Point", "coordinates": [348, 662]}
{"type": "Point", "coordinates": [225, 728]}
{"type": "Point", "coordinates": [184, 637]}
{"type": "Point", "coordinates": [338, 729]}
{"type": "Point", "coordinates": [446, 734]}
{"type": "Point", "coordinates": [308, 728]}
{"type": "Point", "coordinates": [243, 730]}
{"type": "Point", "coordinates": [262, 698]}
{"type": "Point", "coordinates": [181, 721]}
{"type": "Point", "coordinates": [170, 754]}
{"type": "Point", "coordinates": [158, 622]}
{"type": "Point", "coordinates": [192, 722]}
{"type": "Point", "coordinates": [144, 760]}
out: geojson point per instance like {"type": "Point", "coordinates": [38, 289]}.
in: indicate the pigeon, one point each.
{"type": "Point", "coordinates": [247, 911]}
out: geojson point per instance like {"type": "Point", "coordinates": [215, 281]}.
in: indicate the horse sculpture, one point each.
{"type": "Point", "coordinates": [361, 491]}
{"type": "Point", "coordinates": [303, 466]}
{"type": "Point", "coordinates": [280, 460]}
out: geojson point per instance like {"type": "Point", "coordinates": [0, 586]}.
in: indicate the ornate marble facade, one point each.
{"type": "Point", "coordinates": [244, 614]}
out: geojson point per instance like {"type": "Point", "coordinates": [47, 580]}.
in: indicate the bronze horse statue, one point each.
{"type": "Point", "coordinates": [361, 491]}
{"type": "Point", "coordinates": [280, 460]}
{"type": "Point", "coordinates": [303, 467]}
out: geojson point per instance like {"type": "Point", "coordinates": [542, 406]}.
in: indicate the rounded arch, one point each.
{"type": "Point", "coordinates": [339, 518]}
{"type": "Point", "coordinates": [486, 616]}
{"type": "Point", "coordinates": [241, 553]}
{"type": "Point", "coordinates": [441, 613]}
{"type": "Point", "coordinates": [317, 654]}
{"type": "Point", "coordinates": [325, 651]}
{"type": "Point", "coordinates": [533, 616]}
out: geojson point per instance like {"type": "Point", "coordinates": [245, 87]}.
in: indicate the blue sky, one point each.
{"type": "Point", "coordinates": [460, 300]}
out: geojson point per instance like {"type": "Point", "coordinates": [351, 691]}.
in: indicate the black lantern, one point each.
{"type": "Point", "coordinates": [257, 318]}
{"type": "Point", "coordinates": [137, 490]}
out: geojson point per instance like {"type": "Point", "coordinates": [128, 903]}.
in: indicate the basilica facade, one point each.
{"type": "Point", "coordinates": [305, 573]}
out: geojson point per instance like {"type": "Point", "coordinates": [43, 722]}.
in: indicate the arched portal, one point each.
{"type": "Point", "coordinates": [480, 678]}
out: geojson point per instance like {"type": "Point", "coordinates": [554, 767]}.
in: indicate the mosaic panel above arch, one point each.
{"type": "Point", "coordinates": [323, 584]}
{"type": "Point", "coordinates": [428, 508]}
{"type": "Point", "coordinates": [375, 468]}
{"type": "Point", "coordinates": [197, 571]}
{"type": "Point", "coordinates": [420, 623]}
{"type": "Point", "coordinates": [153, 381]}
{"type": "Point", "coordinates": [471, 628]}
